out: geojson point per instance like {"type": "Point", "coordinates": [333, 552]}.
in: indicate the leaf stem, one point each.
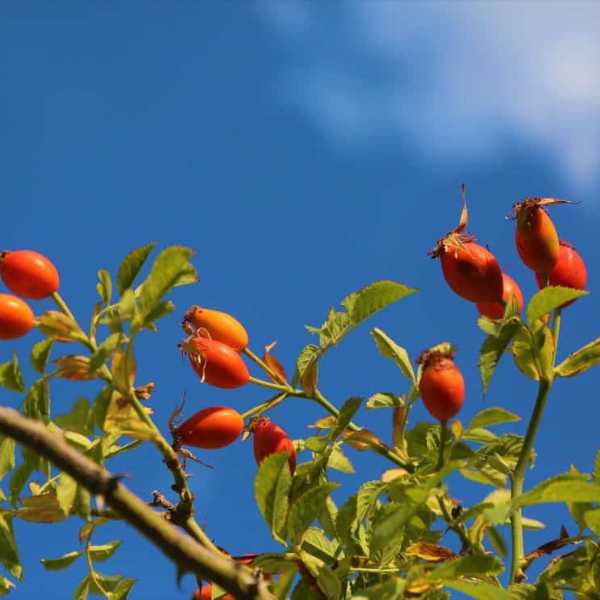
{"type": "Point", "coordinates": [443, 440]}
{"type": "Point", "coordinates": [58, 299]}
{"type": "Point", "coordinates": [260, 362]}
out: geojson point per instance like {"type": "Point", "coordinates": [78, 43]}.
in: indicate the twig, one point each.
{"type": "Point", "coordinates": [188, 554]}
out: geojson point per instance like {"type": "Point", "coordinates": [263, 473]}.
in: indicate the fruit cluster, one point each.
{"type": "Point", "coordinates": [474, 273]}
{"type": "Point", "coordinates": [214, 345]}
{"type": "Point", "coordinates": [27, 274]}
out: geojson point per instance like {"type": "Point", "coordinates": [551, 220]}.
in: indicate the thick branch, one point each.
{"type": "Point", "coordinates": [182, 549]}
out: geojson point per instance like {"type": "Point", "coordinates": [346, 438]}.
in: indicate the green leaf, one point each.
{"type": "Point", "coordinates": [468, 566]}
{"type": "Point", "coordinates": [40, 354]}
{"type": "Point", "coordinates": [493, 416]}
{"type": "Point", "coordinates": [121, 590]}
{"type": "Point", "coordinates": [105, 349]}
{"type": "Point", "coordinates": [566, 487]}
{"type": "Point", "coordinates": [104, 286]}
{"type": "Point", "coordinates": [347, 411]}
{"type": "Point", "coordinates": [37, 401]}
{"type": "Point", "coordinates": [78, 419]}
{"type": "Point", "coordinates": [367, 301]}
{"type": "Point", "coordinates": [307, 508]}
{"type": "Point", "coordinates": [19, 477]}
{"type": "Point", "coordinates": [315, 542]}
{"type": "Point", "coordinates": [356, 508]}
{"type": "Point", "coordinates": [162, 309]}
{"type": "Point", "coordinates": [397, 353]}
{"type": "Point", "coordinates": [307, 369]}
{"type": "Point", "coordinates": [493, 348]}
{"type": "Point", "coordinates": [592, 519]}
{"type": "Point", "coordinates": [391, 589]}
{"type": "Point", "coordinates": [66, 491]}
{"type": "Point", "coordinates": [123, 368]}
{"type": "Point", "coordinates": [479, 591]}
{"type": "Point", "coordinates": [62, 562]}
{"type": "Point", "coordinates": [340, 462]}
{"type": "Point", "coordinates": [386, 531]}
{"type": "Point", "coordinates": [7, 456]}
{"type": "Point", "coordinates": [580, 361]}
{"type": "Point", "coordinates": [43, 508]}
{"type": "Point", "coordinates": [533, 351]}
{"type": "Point", "coordinates": [168, 267]}
{"type": "Point", "coordinates": [384, 400]}
{"type": "Point", "coordinates": [10, 375]}
{"type": "Point", "coordinates": [271, 489]}
{"type": "Point", "coordinates": [5, 586]}
{"type": "Point", "coordinates": [101, 404]}
{"type": "Point", "coordinates": [9, 555]}
{"type": "Point", "coordinates": [83, 589]}
{"type": "Point", "coordinates": [131, 266]}
{"type": "Point", "coordinates": [596, 473]}
{"type": "Point", "coordinates": [549, 298]}
{"type": "Point", "coordinates": [105, 551]}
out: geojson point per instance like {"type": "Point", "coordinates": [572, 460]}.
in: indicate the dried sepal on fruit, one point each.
{"type": "Point", "coordinates": [510, 289]}
{"type": "Point", "coordinates": [215, 363]}
{"type": "Point", "coordinates": [16, 317]}
{"type": "Point", "coordinates": [536, 237]}
{"type": "Point", "coordinates": [28, 274]}
{"type": "Point", "coordinates": [470, 270]}
{"type": "Point", "coordinates": [442, 385]}
{"type": "Point", "coordinates": [569, 271]}
{"type": "Point", "coordinates": [219, 325]}
{"type": "Point", "coordinates": [270, 438]}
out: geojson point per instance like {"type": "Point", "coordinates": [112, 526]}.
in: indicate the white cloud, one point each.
{"type": "Point", "coordinates": [457, 78]}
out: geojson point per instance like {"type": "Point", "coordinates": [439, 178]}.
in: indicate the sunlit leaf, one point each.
{"type": "Point", "coordinates": [7, 456]}
{"type": "Point", "coordinates": [580, 361]}
{"type": "Point", "coordinates": [40, 354]}
{"type": "Point", "coordinates": [307, 508]}
{"type": "Point", "coordinates": [271, 489]}
{"type": "Point", "coordinates": [10, 375]}
{"type": "Point", "coordinates": [549, 298]}
{"type": "Point", "coordinates": [62, 562]}
{"type": "Point", "coordinates": [493, 348]}
{"type": "Point", "coordinates": [131, 266]}
{"type": "Point", "coordinates": [493, 416]}
{"type": "Point", "coordinates": [105, 551]}
{"type": "Point", "coordinates": [561, 488]}
{"type": "Point", "coordinates": [397, 353]}
{"type": "Point", "coordinates": [104, 286]}
{"type": "Point", "coordinates": [9, 555]}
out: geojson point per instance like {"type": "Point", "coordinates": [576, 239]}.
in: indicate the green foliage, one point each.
{"type": "Point", "coordinates": [549, 299]}
{"type": "Point", "coordinates": [580, 361]}
{"type": "Point", "coordinates": [271, 489]}
{"type": "Point", "coordinates": [10, 375]}
{"type": "Point", "coordinates": [391, 537]}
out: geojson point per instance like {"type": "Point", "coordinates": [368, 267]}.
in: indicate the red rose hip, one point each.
{"type": "Point", "coordinates": [510, 289]}
{"type": "Point", "coordinates": [442, 385]}
{"type": "Point", "coordinates": [28, 274]}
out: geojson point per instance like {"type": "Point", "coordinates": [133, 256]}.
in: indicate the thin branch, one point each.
{"type": "Point", "coordinates": [188, 554]}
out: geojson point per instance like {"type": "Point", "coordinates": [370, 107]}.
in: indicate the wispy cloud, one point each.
{"type": "Point", "coordinates": [457, 78]}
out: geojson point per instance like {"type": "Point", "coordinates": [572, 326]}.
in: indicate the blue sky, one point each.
{"type": "Point", "coordinates": [303, 150]}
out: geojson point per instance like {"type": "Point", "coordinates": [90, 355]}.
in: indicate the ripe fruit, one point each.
{"type": "Point", "coordinates": [29, 274]}
{"type": "Point", "coordinates": [213, 427]}
{"type": "Point", "coordinates": [536, 236]}
{"type": "Point", "coordinates": [16, 317]}
{"type": "Point", "coordinates": [270, 438]}
{"type": "Point", "coordinates": [442, 385]}
{"type": "Point", "coordinates": [221, 326]}
{"type": "Point", "coordinates": [569, 271]}
{"type": "Point", "coordinates": [471, 270]}
{"type": "Point", "coordinates": [495, 310]}
{"type": "Point", "coordinates": [215, 362]}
